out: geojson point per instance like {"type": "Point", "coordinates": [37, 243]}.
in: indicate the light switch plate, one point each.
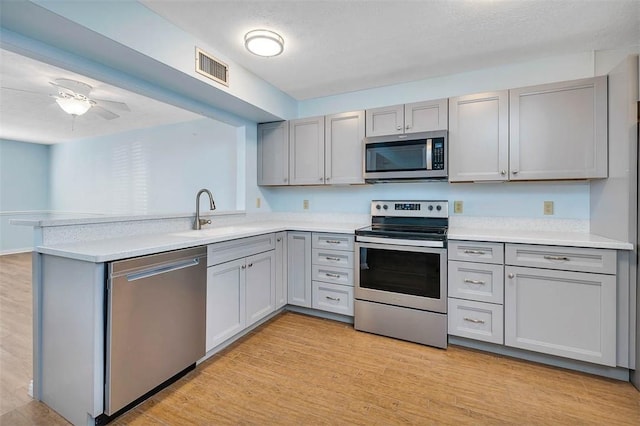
{"type": "Point", "coordinates": [548, 207]}
{"type": "Point", "coordinates": [457, 206]}
{"type": "Point", "coordinates": [305, 204]}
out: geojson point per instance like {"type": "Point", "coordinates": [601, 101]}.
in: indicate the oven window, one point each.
{"type": "Point", "coordinates": [403, 272]}
{"type": "Point", "coordinates": [391, 157]}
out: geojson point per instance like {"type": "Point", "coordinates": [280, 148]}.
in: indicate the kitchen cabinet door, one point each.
{"type": "Point", "coordinates": [306, 151]}
{"type": "Point", "coordinates": [225, 301]}
{"type": "Point", "coordinates": [260, 286]}
{"type": "Point", "coordinates": [385, 121]}
{"type": "Point", "coordinates": [479, 137]}
{"type": "Point", "coordinates": [299, 268]}
{"type": "Point", "coordinates": [273, 153]}
{"type": "Point", "coordinates": [281, 269]}
{"type": "Point", "coordinates": [344, 134]}
{"type": "Point", "coordinates": [559, 131]}
{"type": "Point", "coordinates": [562, 313]}
{"type": "Point", "coordinates": [426, 116]}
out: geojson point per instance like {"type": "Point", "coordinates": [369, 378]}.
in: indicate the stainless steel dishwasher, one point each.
{"type": "Point", "coordinates": [156, 319]}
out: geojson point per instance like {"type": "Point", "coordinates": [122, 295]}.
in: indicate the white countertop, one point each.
{"type": "Point", "coordinates": [110, 249]}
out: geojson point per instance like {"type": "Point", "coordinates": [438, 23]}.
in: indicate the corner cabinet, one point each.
{"type": "Point", "coordinates": [409, 118]}
{"type": "Point", "coordinates": [273, 153]}
{"type": "Point", "coordinates": [547, 132]}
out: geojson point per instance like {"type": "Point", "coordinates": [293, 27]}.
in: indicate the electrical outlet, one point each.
{"type": "Point", "coordinates": [258, 202]}
{"type": "Point", "coordinates": [457, 206]}
{"type": "Point", "coordinates": [548, 207]}
{"type": "Point", "coordinates": [305, 204]}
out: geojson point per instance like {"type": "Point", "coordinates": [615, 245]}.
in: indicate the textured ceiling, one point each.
{"type": "Point", "coordinates": [341, 46]}
{"type": "Point", "coordinates": [28, 112]}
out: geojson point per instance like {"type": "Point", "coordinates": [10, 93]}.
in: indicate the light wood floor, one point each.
{"type": "Point", "coordinates": [303, 370]}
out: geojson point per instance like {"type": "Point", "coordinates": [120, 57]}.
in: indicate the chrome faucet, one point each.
{"type": "Point", "coordinates": [212, 206]}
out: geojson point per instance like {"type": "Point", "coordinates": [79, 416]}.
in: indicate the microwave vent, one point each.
{"type": "Point", "coordinates": [212, 67]}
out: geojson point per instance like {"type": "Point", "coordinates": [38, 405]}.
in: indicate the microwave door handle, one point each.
{"type": "Point", "coordinates": [429, 154]}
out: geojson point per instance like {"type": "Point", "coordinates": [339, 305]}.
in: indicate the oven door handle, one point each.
{"type": "Point", "coordinates": [400, 242]}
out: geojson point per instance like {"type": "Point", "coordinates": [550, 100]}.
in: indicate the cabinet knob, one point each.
{"type": "Point", "coordinates": [515, 172]}
{"type": "Point", "coordinates": [321, 179]}
{"type": "Point", "coordinates": [407, 127]}
{"type": "Point", "coordinates": [328, 179]}
{"type": "Point", "coordinates": [278, 239]}
{"type": "Point", "coordinates": [511, 275]}
{"type": "Point", "coordinates": [250, 265]}
{"type": "Point", "coordinates": [285, 180]}
{"type": "Point", "coordinates": [503, 172]}
{"type": "Point", "coordinates": [244, 267]}
{"type": "Point", "coordinates": [398, 127]}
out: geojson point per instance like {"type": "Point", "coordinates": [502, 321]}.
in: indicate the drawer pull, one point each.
{"type": "Point", "coordinates": [333, 242]}
{"type": "Point", "coordinates": [335, 299]}
{"type": "Point", "coordinates": [467, 280]}
{"type": "Point", "coordinates": [561, 258]}
{"type": "Point", "coordinates": [332, 275]}
{"type": "Point", "coordinates": [337, 259]}
{"type": "Point", "coordinates": [475, 321]}
{"type": "Point", "coordinates": [478, 252]}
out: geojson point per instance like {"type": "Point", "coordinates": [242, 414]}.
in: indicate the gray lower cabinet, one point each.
{"type": "Point", "coordinates": [299, 268]}
{"type": "Point", "coordinates": [554, 309]}
{"type": "Point", "coordinates": [332, 273]}
{"type": "Point", "coordinates": [241, 291]}
{"type": "Point", "coordinates": [281, 269]}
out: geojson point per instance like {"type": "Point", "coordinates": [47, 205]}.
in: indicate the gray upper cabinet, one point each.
{"type": "Point", "coordinates": [343, 148]}
{"type": "Point", "coordinates": [408, 118]}
{"type": "Point", "coordinates": [306, 151]}
{"type": "Point", "coordinates": [273, 153]}
{"type": "Point", "coordinates": [479, 137]}
{"type": "Point", "coordinates": [546, 132]}
{"type": "Point", "coordinates": [559, 131]}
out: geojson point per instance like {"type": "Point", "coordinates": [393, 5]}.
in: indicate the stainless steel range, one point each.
{"type": "Point", "coordinates": [401, 277]}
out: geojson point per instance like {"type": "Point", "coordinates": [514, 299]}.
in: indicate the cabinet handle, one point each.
{"type": "Point", "coordinates": [478, 252]}
{"type": "Point", "coordinates": [561, 258]}
{"type": "Point", "coordinates": [475, 321]}
{"type": "Point", "coordinates": [332, 275]}
{"type": "Point", "coordinates": [250, 265]}
{"type": "Point", "coordinates": [511, 275]}
{"type": "Point", "coordinates": [337, 259]}
{"type": "Point", "coordinates": [333, 242]}
{"type": "Point", "coordinates": [335, 299]}
{"type": "Point", "coordinates": [467, 280]}
{"type": "Point", "coordinates": [503, 172]}
{"type": "Point", "coordinates": [278, 239]}
{"type": "Point", "coordinates": [244, 266]}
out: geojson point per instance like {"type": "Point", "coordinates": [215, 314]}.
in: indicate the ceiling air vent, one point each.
{"type": "Point", "coordinates": [211, 67]}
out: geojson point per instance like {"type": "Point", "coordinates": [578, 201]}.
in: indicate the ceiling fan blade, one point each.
{"type": "Point", "coordinates": [25, 91]}
{"type": "Point", "coordinates": [104, 113]}
{"type": "Point", "coordinates": [112, 104]}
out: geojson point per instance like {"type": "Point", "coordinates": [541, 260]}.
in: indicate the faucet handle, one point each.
{"type": "Point", "coordinates": [205, 222]}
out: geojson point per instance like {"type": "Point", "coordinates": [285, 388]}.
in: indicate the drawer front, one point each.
{"type": "Point", "coordinates": [483, 282]}
{"type": "Point", "coordinates": [341, 259]}
{"type": "Point", "coordinates": [600, 261]}
{"type": "Point", "coordinates": [475, 251]}
{"type": "Point", "coordinates": [476, 320]}
{"type": "Point", "coordinates": [331, 274]}
{"type": "Point", "coordinates": [332, 241]}
{"type": "Point", "coordinates": [332, 298]}
{"type": "Point", "coordinates": [242, 247]}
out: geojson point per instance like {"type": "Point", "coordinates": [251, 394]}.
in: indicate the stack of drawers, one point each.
{"type": "Point", "coordinates": [332, 272]}
{"type": "Point", "coordinates": [476, 290]}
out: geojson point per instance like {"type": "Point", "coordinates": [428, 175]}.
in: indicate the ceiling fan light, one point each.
{"type": "Point", "coordinates": [74, 106]}
{"type": "Point", "coordinates": [264, 43]}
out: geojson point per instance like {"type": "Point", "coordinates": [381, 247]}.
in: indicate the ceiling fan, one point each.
{"type": "Point", "coordinates": [74, 98]}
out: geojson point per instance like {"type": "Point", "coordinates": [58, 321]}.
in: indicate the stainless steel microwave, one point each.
{"type": "Point", "coordinates": [417, 156]}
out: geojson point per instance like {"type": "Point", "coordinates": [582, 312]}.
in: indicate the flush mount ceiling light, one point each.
{"type": "Point", "coordinates": [264, 43]}
{"type": "Point", "coordinates": [73, 105]}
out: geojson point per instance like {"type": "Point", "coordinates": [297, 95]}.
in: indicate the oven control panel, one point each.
{"type": "Point", "coordinates": [404, 208]}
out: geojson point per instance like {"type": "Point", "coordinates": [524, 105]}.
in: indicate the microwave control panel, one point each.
{"type": "Point", "coordinates": [438, 154]}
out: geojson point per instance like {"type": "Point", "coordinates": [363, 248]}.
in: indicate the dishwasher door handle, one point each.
{"type": "Point", "coordinates": [163, 269]}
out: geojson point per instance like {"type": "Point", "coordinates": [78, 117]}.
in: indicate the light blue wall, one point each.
{"type": "Point", "coordinates": [150, 171]}
{"type": "Point", "coordinates": [24, 189]}
{"type": "Point", "coordinates": [571, 200]}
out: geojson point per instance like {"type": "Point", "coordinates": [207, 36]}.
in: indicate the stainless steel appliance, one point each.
{"type": "Point", "coordinates": [401, 271]}
{"type": "Point", "coordinates": [155, 322]}
{"type": "Point", "coordinates": [417, 156]}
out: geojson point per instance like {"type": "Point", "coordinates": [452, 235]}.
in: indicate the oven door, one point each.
{"type": "Point", "coordinates": [407, 276]}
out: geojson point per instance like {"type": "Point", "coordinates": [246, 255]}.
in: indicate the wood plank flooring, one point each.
{"type": "Point", "coordinates": [297, 369]}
